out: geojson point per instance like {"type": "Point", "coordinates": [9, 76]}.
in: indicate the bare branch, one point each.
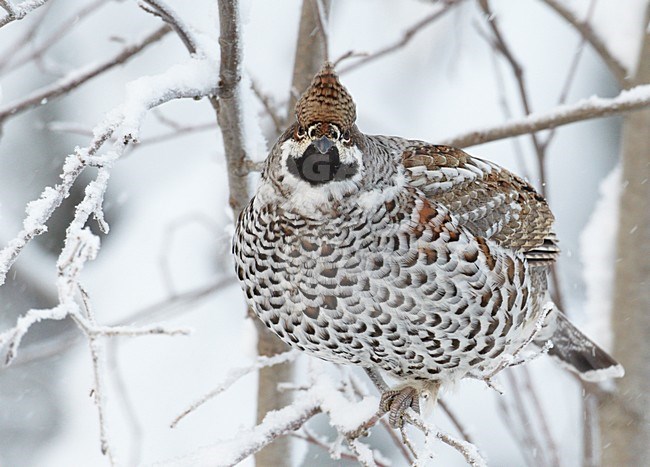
{"type": "Point", "coordinates": [233, 376]}
{"type": "Point", "coordinates": [636, 98]}
{"type": "Point", "coordinates": [615, 66]}
{"type": "Point", "coordinates": [407, 36]}
{"type": "Point", "coordinates": [571, 73]}
{"type": "Point", "coordinates": [99, 391]}
{"type": "Point", "coordinates": [500, 44]}
{"type": "Point", "coordinates": [540, 416]}
{"type": "Point", "coordinates": [278, 122]}
{"type": "Point", "coordinates": [456, 422]}
{"type": "Point", "coordinates": [45, 44]}
{"type": "Point", "coordinates": [79, 77]}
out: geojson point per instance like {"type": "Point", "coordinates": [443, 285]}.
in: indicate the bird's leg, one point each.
{"type": "Point", "coordinates": [376, 379]}
{"type": "Point", "coordinates": [394, 401]}
{"type": "Point", "coordinates": [397, 401]}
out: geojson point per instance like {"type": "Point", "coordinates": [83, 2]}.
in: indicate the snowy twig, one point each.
{"type": "Point", "coordinates": [636, 98]}
{"type": "Point", "coordinates": [78, 77]}
{"type": "Point", "coordinates": [99, 391]}
{"type": "Point", "coordinates": [468, 450]}
{"type": "Point", "coordinates": [322, 396]}
{"type": "Point", "coordinates": [176, 305]}
{"type": "Point", "coordinates": [39, 211]}
{"type": "Point", "coordinates": [81, 245]}
{"type": "Point", "coordinates": [378, 381]}
{"type": "Point", "coordinates": [235, 375]}
{"type": "Point", "coordinates": [247, 442]}
{"type": "Point", "coordinates": [406, 37]}
{"type": "Point", "coordinates": [311, 438]}
{"type": "Point", "coordinates": [126, 119]}
{"type": "Point", "coordinates": [160, 9]}
{"type": "Point", "coordinates": [586, 31]}
{"type": "Point", "coordinates": [17, 12]}
{"type": "Point", "coordinates": [23, 39]}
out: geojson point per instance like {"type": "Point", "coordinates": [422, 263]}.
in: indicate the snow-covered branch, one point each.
{"type": "Point", "coordinates": [468, 450]}
{"type": "Point", "coordinates": [350, 411]}
{"type": "Point", "coordinates": [194, 78]}
{"type": "Point", "coordinates": [16, 12]}
{"type": "Point", "coordinates": [229, 108]}
{"type": "Point", "coordinates": [248, 442]}
{"type": "Point", "coordinates": [636, 98]}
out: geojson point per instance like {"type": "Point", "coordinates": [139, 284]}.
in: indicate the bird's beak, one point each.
{"type": "Point", "coordinates": [323, 145]}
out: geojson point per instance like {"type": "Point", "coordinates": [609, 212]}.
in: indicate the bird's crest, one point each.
{"type": "Point", "coordinates": [326, 100]}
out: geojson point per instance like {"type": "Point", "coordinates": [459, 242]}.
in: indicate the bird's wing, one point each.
{"type": "Point", "coordinates": [488, 200]}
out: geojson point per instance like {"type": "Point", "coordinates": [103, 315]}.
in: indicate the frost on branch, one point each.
{"type": "Point", "coordinates": [350, 412]}
{"type": "Point", "coordinates": [191, 79]}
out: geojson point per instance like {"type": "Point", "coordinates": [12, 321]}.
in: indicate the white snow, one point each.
{"type": "Point", "coordinates": [448, 88]}
{"type": "Point", "coordinates": [598, 256]}
{"type": "Point", "coordinates": [246, 442]}
{"type": "Point", "coordinates": [38, 211]}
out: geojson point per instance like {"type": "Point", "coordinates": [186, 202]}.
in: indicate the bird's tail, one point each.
{"type": "Point", "coordinates": [581, 355]}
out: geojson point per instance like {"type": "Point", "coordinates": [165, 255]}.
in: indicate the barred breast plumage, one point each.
{"type": "Point", "coordinates": [397, 255]}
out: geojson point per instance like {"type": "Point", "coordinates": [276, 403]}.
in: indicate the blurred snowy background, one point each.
{"type": "Point", "coordinates": [167, 257]}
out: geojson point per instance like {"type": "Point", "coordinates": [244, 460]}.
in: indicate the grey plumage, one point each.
{"type": "Point", "coordinates": [393, 254]}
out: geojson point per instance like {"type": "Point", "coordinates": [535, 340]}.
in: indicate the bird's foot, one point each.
{"type": "Point", "coordinates": [397, 401]}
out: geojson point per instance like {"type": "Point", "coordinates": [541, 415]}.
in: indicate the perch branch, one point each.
{"type": "Point", "coordinates": [633, 99]}
{"type": "Point", "coordinates": [18, 12]}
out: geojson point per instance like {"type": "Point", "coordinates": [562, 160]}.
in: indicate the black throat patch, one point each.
{"type": "Point", "coordinates": [317, 168]}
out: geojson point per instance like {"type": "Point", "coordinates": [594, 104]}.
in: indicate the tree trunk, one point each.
{"type": "Point", "coordinates": [309, 58]}
{"type": "Point", "coordinates": [625, 414]}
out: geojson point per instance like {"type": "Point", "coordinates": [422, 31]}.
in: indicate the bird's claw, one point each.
{"type": "Point", "coordinates": [396, 402]}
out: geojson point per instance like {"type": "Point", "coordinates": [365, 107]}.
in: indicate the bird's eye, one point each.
{"type": "Point", "coordinates": [345, 137]}
{"type": "Point", "coordinates": [300, 133]}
